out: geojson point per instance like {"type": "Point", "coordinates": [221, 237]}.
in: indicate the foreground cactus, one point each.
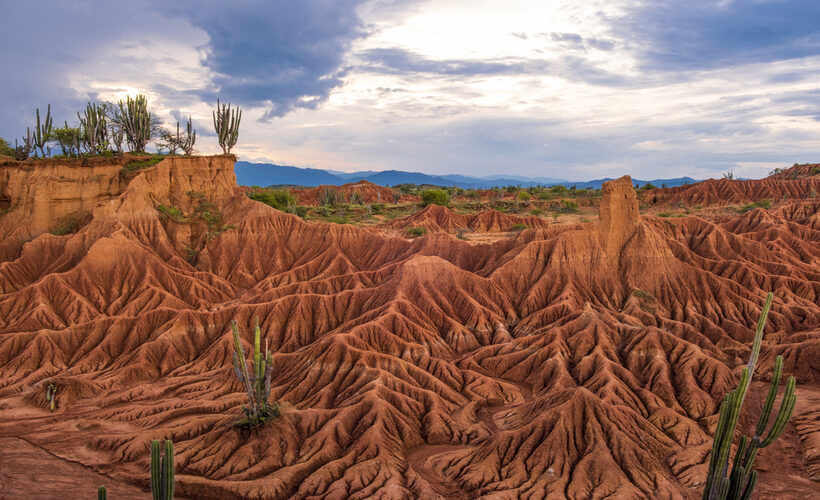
{"type": "Point", "coordinates": [51, 395]}
{"type": "Point", "coordinates": [102, 493]}
{"type": "Point", "coordinates": [742, 479]}
{"type": "Point", "coordinates": [162, 471]}
{"type": "Point", "coordinates": [226, 124]}
{"type": "Point", "coordinates": [256, 380]}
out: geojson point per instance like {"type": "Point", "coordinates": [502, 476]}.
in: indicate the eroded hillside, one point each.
{"type": "Point", "coordinates": [569, 360]}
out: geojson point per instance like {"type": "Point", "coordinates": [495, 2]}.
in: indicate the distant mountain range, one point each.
{"type": "Point", "coordinates": [266, 174]}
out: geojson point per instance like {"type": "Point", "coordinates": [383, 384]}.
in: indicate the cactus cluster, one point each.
{"type": "Point", "coordinates": [739, 482]}
{"type": "Point", "coordinates": [94, 128]}
{"type": "Point", "coordinates": [226, 124]}
{"type": "Point", "coordinates": [42, 132]}
{"type": "Point", "coordinates": [256, 379]}
{"type": "Point", "coordinates": [136, 122]}
{"type": "Point", "coordinates": [162, 471]}
{"type": "Point", "coordinates": [51, 395]}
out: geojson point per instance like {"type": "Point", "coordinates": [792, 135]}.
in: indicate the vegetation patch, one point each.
{"type": "Point", "coordinates": [172, 213]}
{"type": "Point", "coordinates": [415, 232]}
{"type": "Point", "coordinates": [519, 227]}
{"type": "Point", "coordinates": [764, 204]}
{"type": "Point", "coordinates": [133, 167]}
{"type": "Point", "coordinates": [435, 197]}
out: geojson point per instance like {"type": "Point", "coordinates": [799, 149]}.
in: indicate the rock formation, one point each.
{"type": "Point", "coordinates": [531, 367]}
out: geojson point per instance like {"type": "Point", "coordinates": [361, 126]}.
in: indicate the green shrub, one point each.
{"type": "Point", "coordinates": [764, 204]}
{"type": "Point", "coordinates": [558, 189]}
{"type": "Point", "coordinates": [5, 149]}
{"type": "Point", "coordinates": [378, 208]}
{"type": "Point", "coordinates": [815, 170]}
{"type": "Point", "coordinates": [568, 207]}
{"type": "Point", "coordinates": [173, 213]}
{"type": "Point", "coordinates": [435, 197]}
{"type": "Point", "coordinates": [524, 196]}
{"type": "Point", "coordinates": [519, 227]}
{"type": "Point", "coordinates": [280, 199]}
{"type": "Point", "coordinates": [647, 186]}
{"type": "Point", "coordinates": [132, 167]}
{"type": "Point", "coordinates": [536, 211]}
{"type": "Point", "coordinates": [415, 232]}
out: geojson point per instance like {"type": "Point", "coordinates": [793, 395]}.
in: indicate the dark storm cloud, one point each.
{"type": "Point", "coordinates": [699, 34]}
{"type": "Point", "coordinates": [282, 55]}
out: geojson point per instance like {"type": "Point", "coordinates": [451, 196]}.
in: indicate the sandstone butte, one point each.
{"type": "Point", "coordinates": [565, 361]}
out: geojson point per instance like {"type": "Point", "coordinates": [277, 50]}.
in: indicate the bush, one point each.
{"type": "Point", "coordinates": [435, 197]}
{"type": "Point", "coordinates": [524, 196]}
{"type": "Point", "coordinates": [5, 149]}
{"type": "Point", "coordinates": [132, 167]}
{"type": "Point", "coordinates": [558, 189]}
{"type": "Point", "coordinates": [764, 204]}
{"type": "Point", "coordinates": [536, 211]}
{"type": "Point", "coordinates": [172, 212]}
{"type": "Point", "coordinates": [415, 232]}
{"type": "Point", "coordinates": [280, 199]}
{"type": "Point", "coordinates": [647, 186]}
{"type": "Point", "coordinates": [519, 227]}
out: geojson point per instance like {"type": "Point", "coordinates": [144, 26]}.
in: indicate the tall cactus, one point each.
{"type": "Point", "coordinates": [187, 144]}
{"type": "Point", "coordinates": [94, 128]}
{"type": "Point", "coordinates": [740, 482]}
{"type": "Point", "coordinates": [42, 132]}
{"type": "Point", "coordinates": [136, 122]}
{"type": "Point", "coordinates": [257, 379]}
{"type": "Point", "coordinates": [162, 471]}
{"type": "Point", "coordinates": [102, 493]}
{"type": "Point", "coordinates": [51, 395]}
{"type": "Point", "coordinates": [226, 124]}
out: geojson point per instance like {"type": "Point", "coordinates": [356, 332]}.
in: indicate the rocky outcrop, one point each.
{"type": "Point", "coordinates": [619, 215]}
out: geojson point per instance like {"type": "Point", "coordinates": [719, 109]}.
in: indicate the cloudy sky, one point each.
{"type": "Point", "coordinates": [553, 88]}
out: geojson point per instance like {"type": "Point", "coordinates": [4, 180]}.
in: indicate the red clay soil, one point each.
{"type": "Point", "coordinates": [798, 171]}
{"type": "Point", "coordinates": [366, 190]}
{"type": "Point", "coordinates": [574, 361]}
{"type": "Point", "coordinates": [726, 191]}
{"type": "Point", "coordinates": [437, 218]}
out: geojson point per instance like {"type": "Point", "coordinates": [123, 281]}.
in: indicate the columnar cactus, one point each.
{"type": "Point", "coordinates": [94, 128]}
{"type": "Point", "coordinates": [162, 471]}
{"type": "Point", "coordinates": [102, 493]}
{"type": "Point", "coordinates": [226, 124]}
{"type": "Point", "coordinates": [42, 132]}
{"type": "Point", "coordinates": [256, 380]}
{"type": "Point", "coordinates": [136, 122]}
{"type": "Point", "coordinates": [51, 395]}
{"type": "Point", "coordinates": [740, 481]}
{"type": "Point", "coordinates": [187, 144]}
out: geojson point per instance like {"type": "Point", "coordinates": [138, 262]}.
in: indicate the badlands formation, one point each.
{"type": "Point", "coordinates": [564, 361]}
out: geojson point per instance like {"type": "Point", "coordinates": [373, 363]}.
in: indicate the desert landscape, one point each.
{"type": "Point", "coordinates": [562, 360]}
{"type": "Point", "coordinates": [410, 250]}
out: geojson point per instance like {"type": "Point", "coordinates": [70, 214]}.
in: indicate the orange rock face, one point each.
{"type": "Point", "coordinates": [567, 361]}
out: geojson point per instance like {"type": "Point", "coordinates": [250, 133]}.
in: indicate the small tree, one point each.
{"type": "Point", "coordinates": [116, 128]}
{"type": "Point", "coordinates": [179, 141]}
{"type": "Point", "coordinates": [137, 122]}
{"type": "Point", "coordinates": [226, 124]}
{"type": "Point", "coordinates": [435, 197]}
{"type": "Point", "coordinates": [68, 138]}
{"type": "Point", "coordinates": [740, 481]}
{"type": "Point", "coordinates": [5, 149]}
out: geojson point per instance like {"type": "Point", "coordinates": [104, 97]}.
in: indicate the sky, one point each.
{"type": "Point", "coordinates": [540, 88]}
